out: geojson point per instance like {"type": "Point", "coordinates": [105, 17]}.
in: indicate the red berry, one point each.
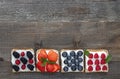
{"type": "Point", "coordinates": [23, 66]}
{"type": "Point", "coordinates": [30, 61]}
{"type": "Point", "coordinates": [40, 67]}
{"type": "Point", "coordinates": [90, 55]}
{"type": "Point", "coordinates": [17, 62]}
{"type": "Point", "coordinates": [90, 62]}
{"type": "Point", "coordinates": [90, 68]}
{"type": "Point", "coordinates": [103, 56]}
{"type": "Point", "coordinates": [97, 62]}
{"type": "Point", "coordinates": [22, 54]}
{"type": "Point", "coordinates": [104, 67]}
{"type": "Point", "coordinates": [96, 56]}
{"type": "Point", "coordinates": [103, 61]}
{"type": "Point", "coordinates": [98, 68]}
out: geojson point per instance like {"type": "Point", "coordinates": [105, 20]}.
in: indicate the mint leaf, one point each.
{"type": "Point", "coordinates": [86, 52]}
{"type": "Point", "coordinates": [109, 57]}
{"type": "Point", "coordinates": [44, 60]}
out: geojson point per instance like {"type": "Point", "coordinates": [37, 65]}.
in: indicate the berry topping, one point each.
{"type": "Point", "coordinates": [40, 66]}
{"type": "Point", "coordinates": [73, 68]}
{"type": "Point", "coordinates": [76, 56]}
{"type": "Point", "coordinates": [79, 53]}
{"type": "Point", "coordinates": [65, 69]}
{"type": "Point", "coordinates": [30, 61]}
{"type": "Point", "coordinates": [42, 54]}
{"type": "Point", "coordinates": [49, 67]}
{"type": "Point", "coordinates": [98, 68]}
{"type": "Point", "coordinates": [97, 62]}
{"type": "Point", "coordinates": [90, 62]}
{"type": "Point", "coordinates": [23, 66]}
{"type": "Point", "coordinates": [22, 54]}
{"type": "Point", "coordinates": [52, 56]}
{"type": "Point", "coordinates": [64, 54]}
{"type": "Point", "coordinates": [96, 55]}
{"type": "Point", "coordinates": [80, 68]}
{"type": "Point", "coordinates": [103, 61]}
{"type": "Point", "coordinates": [80, 59]}
{"type": "Point", "coordinates": [90, 68]}
{"type": "Point", "coordinates": [66, 61]}
{"type": "Point", "coordinates": [69, 64]}
{"type": "Point", "coordinates": [31, 67]}
{"type": "Point", "coordinates": [104, 67]}
{"type": "Point", "coordinates": [103, 56]}
{"type": "Point", "coordinates": [16, 68]}
{"type": "Point", "coordinates": [16, 54]}
{"type": "Point", "coordinates": [17, 62]}
{"type": "Point", "coordinates": [90, 55]}
{"type": "Point", "coordinates": [72, 53]}
{"type": "Point", "coordinates": [69, 58]}
{"type": "Point", "coordinates": [24, 60]}
{"type": "Point", "coordinates": [76, 63]}
{"type": "Point", "coordinates": [72, 61]}
{"type": "Point", "coordinates": [29, 55]}
{"type": "Point", "coordinates": [56, 67]}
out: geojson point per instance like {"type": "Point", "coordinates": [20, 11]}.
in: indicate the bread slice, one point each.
{"type": "Point", "coordinates": [63, 59]}
{"type": "Point", "coordinates": [99, 52]}
{"type": "Point", "coordinates": [19, 51]}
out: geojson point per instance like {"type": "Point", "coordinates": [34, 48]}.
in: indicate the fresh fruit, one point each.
{"type": "Point", "coordinates": [16, 68]}
{"type": "Point", "coordinates": [22, 54]}
{"type": "Point", "coordinates": [23, 60]}
{"type": "Point", "coordinates": [64, 54]}
{"type": "Point", "coordinates": [80, 60]}
{"type": "Point", "coordinates": [49, 67]}
{"type": "Point", "coordinates": [104, 67]}
{"type": "Point", "coordinates": [72, 61]}
{"type": "Point", "coordinates": [66, 61]}
{"type": "Point", "coordinates": [76, 56]}
{"type": "Point", "coordinates": [23, 66]}
{"type": "Point", "coordinates": [80, 68]}
{"type": "Point", "coordinates": [16, 54]}
{"type": "Point", "coordinates": [90, 62]}
{"type": "Point", "coordinates": [90, 55]}
{"type": "Point", "coordinates": [68, 57]}
{"type": "Point", "coordinates": [65, 68]}
{"type": "Point", "coordinates": [103, 61]}
{"type": "Point", "coordinates": [79, 53]}
{"type": "Point", "coordinates": [56, 67]}
{"type": "Point", "coordinates": [90, 68]}
{"type": "Point", "coordinates": [73, 68]}
{"type": "Point", "coordinates": [96, 55]}
{"type": "Point", "coordinates": [76, 63]}
{"type": "Point", "coordinates": [52, 56]}
{"type": "Point", "coordinates": [31, 67]}
{"type": "Point", "coordinates": [17, 62]}
{"type": "Point", "coordinates": [98, 68]}
{"type": "Point", "coordinates": [103, 56]}
{"type": "Point", "coordinates": [72, 53]}
{"type": "Point", "coordinates": [30, 61]}
{"type": "Point", "coordinates": [29, 55]}
{"type": "Point", "coordinates": [96, 62]}
{"type": "Point", "coordinates": [69, 64]}
{"type": "Point", "coordinates": [42, 54]}
{"type": "Point", "coordinates": [40, 66]}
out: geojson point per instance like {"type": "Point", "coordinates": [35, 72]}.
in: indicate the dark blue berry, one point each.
{"type": "Point", "coordinates": [80, 59]}
{"type": "Point", "coordinates": [31, 67]}
{"type": "Point", "coordinates": [79, 53]}
{"type": "Point", "coordinates": [72, 53]}
{"type": "Point", "coordinates": [73, 68]}
{"type": "Point", "coordinates": [76, 63]}
{"type": "Point", "coordinates": [16, 54]}
{"type": "Point", "coordinates": [16, 68]}
{"type": "Point", "coordinates": [64, 54]}
{"type": "Point", "coordinates": [29, 55]}
{"type": "Point", "coordinates": [76, 57]}
{"type": "Point", "coordinates": [69, 57]}
{"type": "Point", "coordinates": [65, 69]}
{"type": "Point", "coordinates": [80, 68]}
{"type": "Point", "coordinates": [24, 60]}
{"type": "Point", "coordinates": [73, 61]}
{"type": "Point", "coordinates": [66, 61]}
{"type": "Point", "coordinates": [69, 64]}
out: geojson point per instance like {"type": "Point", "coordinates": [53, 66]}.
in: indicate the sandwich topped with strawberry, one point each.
{"type": "Point", "coordinates": [47, 60]}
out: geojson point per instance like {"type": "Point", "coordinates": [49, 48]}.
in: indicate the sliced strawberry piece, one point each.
{"type": "Point", "coordinates": [97, 62]}
{"type": "Point", "coordinates": [90, 55]}
{"type": "Point", "coordinates": [98, 68]}
{"type": "Point", "coordinates": [17, 62]}
{"type": "Point", "coordinates": [52, 56]}
{"type": "Point", "coordinates": [42, 54]}
{"type": "Point", "coordinates": [90, 68]}
{"type": "Point", "coordinates": [49, 67]}
{"type": "Point", "coordinates": [23, 66]}
{"type": "Point", "coordinates": [96, 55]}
{"type": "Point", "coordinates": [40, 67]}
{"type": "Point", "coordinates": [103, 61]}
{"type": "Point", "coordinates": [56, 67]}
{"type": "Point", "coordinates": [103, 56]}
{"type": "Point", "coordinates": [22, 54]}
{"type": "Point", "coordinates": [30, 61]}
{"type": "Point", "coordinates": [104, 67]}
{"type": "Point", "coordinates": [90, 62]}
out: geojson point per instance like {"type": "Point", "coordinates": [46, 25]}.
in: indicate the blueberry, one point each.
{"type": "Point", "coordinates": [76, 56]}
{"type": "Point", "coordinates": [31, 67]}
{"type": "Point", "coordinates": [65, 69]}
{"type": "Point", "coordinates": [66, 61]}
{"type": "Point", "coordinates": [73, 68]}
{"type": "Point", "coordinates": [80, 59]}
{"type": "Point", "coordinates": [29, 55]}
{"type": "Point", "coordinates": [73, 61]}
{"type": "Point", "coordinates": [64, 54]}
{"type": "Point", "coordinates": [16, 54]}
{"type": "Point", "coordinates": [16, 68]}
{"type": "Point", "coordinates": [69, 57]}
{"type": "Point", "coordinates": [24, 60]}
{"type": "Point", "coordinates": [80, 68]}
{"type": "Point", "coordinates": [72, 53]}
{"type": "Point", "coordinates": [76, 63]}
{"type": "Point", "coordinates": [79, 53]}
{"type": "Point", "coordinates": [69, 64]}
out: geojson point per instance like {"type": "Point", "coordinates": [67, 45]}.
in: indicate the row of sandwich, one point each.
{"type": "Point", "coordinates": [66, 60]}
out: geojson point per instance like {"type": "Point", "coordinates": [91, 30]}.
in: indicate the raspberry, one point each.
{"type": "Point", "coordinates": [22, 54]}
{"type": "Point", "coordinates": [97, 62]}
{"type": "Point", "coordinates": [103, 56]}
{"type": "Point", "coordinates": [90, 55]}
{"type": "Point", "coordinates": [103, 61]}
{"type": "Point", "coordinates": [30, 61]}
{"type": "Point", "coordinates": [23, 66]}
{"type": "Point", "coordinates": [96, 56]}
{"type": "Point", "coordinates": [90, 68]}
{"type": "Point", "coordinates": [104, 67]}
{"type": "Point", "coordinates": [90, 62]}
{"type": "Point", "coordinates": [98, 68]}
{"type": "Point", "coordinates": [17, 62]}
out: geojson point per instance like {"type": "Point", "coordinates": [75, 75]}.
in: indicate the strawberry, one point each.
{"type": "Point", "coordinates": [23, 66]}
{"type": "Point", "coordinates": [98, 68]}
{"type": "Point", "coordinates": [90, 55]}
{"type": "Point", "coordinates": [97, 62]}
{"type": "Point", "coordinates": [103, 61]}
{"type": "Point", "coordinates": [103, 56]}
{"type": "Point", "coordinates": [90, 62]}
{"type": "Point", "coordinates": [90, 68]}
{"type": "Point", "coordinates": [42, 54]}
{"type": "Point", "coordinates": [50, 67]}
{"type": "Point", "coordinates": [22, 54]}
{"type": "Point", "coordinates": [30, 61]}
{"type": "Point", "coordinates": [56, 67]}
{"type": "Point", "coordinates": [52, 56]}
{"type": "Point", "coordinates": [40, 67]}
{"type": "Point", "coordinates": [96, 55]}
{"type": "Point", "coordinates": [104, 67]}
{"type": "Point", "coordinates": [17, 62]}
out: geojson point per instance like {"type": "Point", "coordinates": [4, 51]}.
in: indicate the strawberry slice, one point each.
{"type": "Point", "coordinates": [90, 68]}
{"type": "Point", "coordinates": [40, 67]}
{"type": "Point", "coordinates": [42, 54]}
{"type": "Point", "coordinates": [56, 67]}
{"type": "Point", "coordinates": [50, 67]}
{"type": "Point", "coordinates": [96, 55]}
{"type": "Point", "coordinates": [52, 56]}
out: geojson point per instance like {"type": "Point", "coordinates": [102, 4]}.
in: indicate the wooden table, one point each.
{"type": "Point", "coordinates": [59, 24]}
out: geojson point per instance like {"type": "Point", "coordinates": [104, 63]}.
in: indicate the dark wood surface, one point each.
{"type": "Point", "coordinates": [59, 24]}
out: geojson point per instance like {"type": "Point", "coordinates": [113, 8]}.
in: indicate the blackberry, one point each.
{"type": "Point", "coordinates": [24, 60]}
{"type": "Point", "coordinates": [29, 55]}
{"type": "Point", "coordinates": [16, 68]}
{"type": "Point", "coordinates": [31, 67]}
{"type": "Point", "coordinates": [16, 54]}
